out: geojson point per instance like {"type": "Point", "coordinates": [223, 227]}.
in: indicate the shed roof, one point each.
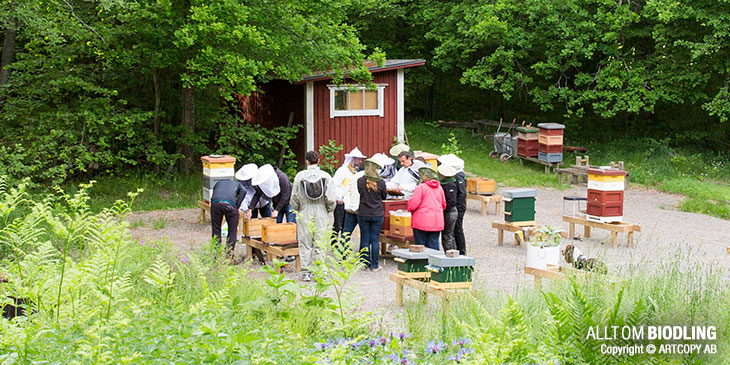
{"type": "Point", "coordinates": [389, 65]}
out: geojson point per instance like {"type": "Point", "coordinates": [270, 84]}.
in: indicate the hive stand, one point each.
{"type": "Point", "coordinates": [548, 165]}
{"type": "Point", "coordinates": [387, 239]}
{"type": "Point", "coordinates": [514, 228]}
{"type": "Point", "coordinates": [485, 200]}
{"type": "Point", "coordinates": [272, 251]}
{"type": "Point", "coordinates": [615, 229]}
{"type": "Point", "coordinates": [425, 288]}
{"type": "Point", "coordinates": [557, 272]}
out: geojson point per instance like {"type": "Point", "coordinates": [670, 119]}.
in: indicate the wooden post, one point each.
{"type": "Point", "coordinates": [614, 237]}
{"type": "Point", "coordinates": [630, 239]}
{"type": "Point", "coordinates": [496, 206]}
{"type": "Point", "coordinates": [500, 237]}
{"type": "Point", "coordinates": [399, 294]}
{"type": "Point", "coordinates": [484, 206]}
{"type": "Point", "coordinates": [571, 231]}
{"type": "Point", "coordinates": [586, 231]}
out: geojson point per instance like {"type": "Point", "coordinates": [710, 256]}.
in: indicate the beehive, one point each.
{"type": "Point", "coordinates": [605, 200]}
{"type": "Point", "coordinates": [550, 139]}
{"type": "Point", "coordinates": [429, 157]}
{"type": "Point", "coordinates": [252, 227]}
{"type": "Point", "coordinates": [519, 205]}
{"type": "Point", "coordinates": [400, 223]}
{"type": "Point", "coordinates": [527, 147]}
{"type": "Point", "coordinates": [527, 133]}
{"type": "Point", "coordinates": [480, 185]}
{"type": "Point", "coordinates": [279, 233]}
{"type": "Point", "coordinates": [450, 269]}
{"type": "Point", "coordinates": [391, 205]}
{"type": "Point", "coordinates": [216, 168]}
{"type": "Point", "coordinates": [413, 264]}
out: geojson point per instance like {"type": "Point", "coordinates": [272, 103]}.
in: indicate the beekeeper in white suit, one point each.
{"type": "Point", "coordinates": [244, 175]}
{"type": "Point", "coordinates": [407, 178]}
{"type": "Point", "coordinates": [313, 197]}
{"type": "Point", "coordinates": [342, 179]}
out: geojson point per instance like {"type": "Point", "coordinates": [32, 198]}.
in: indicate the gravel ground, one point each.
{"type": "Point", "coordinates": [666, 235]}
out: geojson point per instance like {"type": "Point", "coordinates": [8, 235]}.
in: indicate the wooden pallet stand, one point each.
{"type": "Point", "coordinates": [414, 275]}
{"type": "Point", "coordinates": [614, 228]}
{"type": "Point", "coordinates": [272, 251]}
{"type": "Point", "coordinates": [485, 200]}
{"type": "Point", "coordinates": [548, 165]}
{"type": "Point", "coordinates": [514, 228]}
{"type": "Point", "coordinates": [424, 287]}
{"type": "Point", "coordinates": [385, 240]}
{"type": "Point", "coordinates": [557, 272]}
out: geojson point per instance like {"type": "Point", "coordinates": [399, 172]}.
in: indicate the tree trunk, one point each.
{"type": "Point", "coordinates": [156, 125]}
{"type": "Point", "coordinates": [8, 52]}
{"type": "Point", "coordinates": [188, 117]}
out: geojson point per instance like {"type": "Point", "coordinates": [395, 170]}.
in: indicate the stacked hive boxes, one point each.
{"type": "Point", "coordinates": [252, 227]}
{"type": "Point", "coordinates": [400, 223]}
{"type": "Point", "coordinates": [450, 272]}
{"type": "Point", "coordinates": [527, 141]}
{"type": "Point", "coordinates": [392, 205]}
{"type": "Point", "coordinates": [519, 206]}
{"type": "Point", "coordinates": [550, 142]}
{"type": "Point", "coordinates": [413, 264]}
{"type": "Point", "coordinates": [605, 195]}
{"type": "Point", "coordinates": [480, 185]}
{"type": "Point", "coordinates": [215, 168]}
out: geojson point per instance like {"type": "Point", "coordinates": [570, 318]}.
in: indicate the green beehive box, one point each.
{"type": "Point", "coordinates": [459, 274]}
{"type": "Point", "coordinates": [522, 215]}
{"type": "Point", "coordinates": [519, 204]}
{"type": "Point", "coordinates": [411, 266]}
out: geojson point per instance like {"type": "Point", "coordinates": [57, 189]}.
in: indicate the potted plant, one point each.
{"type": "Point", "coordinates": [544, 248]}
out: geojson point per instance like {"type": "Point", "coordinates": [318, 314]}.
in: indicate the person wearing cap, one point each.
{"type": "Point", "coordinates": [370, 212]}
{"type": "Point", "coordinates": [406, 179]}
{"type": "Point", "coordinates": [226, 198]}
{"type": "Point", "coordinates": [343, 177]}
{"type": "Point", "coordinates": [427, 209]}
{"type": "Point", "coordinates": [273, 184]}
{"type": "Point", "coordinates": [458, 165]}
{"type": "Point", "coordinates": [313, 197]}
{"type": "Point", "coordinates": [448, 183]}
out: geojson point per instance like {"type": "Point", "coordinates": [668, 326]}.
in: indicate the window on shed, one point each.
{"type": "Point", "coordinates": [355, 100]}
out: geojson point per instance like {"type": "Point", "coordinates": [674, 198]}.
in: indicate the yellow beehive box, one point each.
{"type": "Point", "coordinates": [279, 233]}
{"type": "Point", "coordinates": [470, 185]}
{"type": "Point", "coordinates": [401, 219]}
{"type": "Point", "coordinates": [429, 157]}
{"type": "Point", "coordinates": [218, 165]}
{"type": "Point", "coordinates": [606, 178]}
{"type": "Point", "coordinates": [485, 186]}
{"type": "Point", "coordinates": [401, 230]}
{"type": "Point", "coordinates": [252, 227]}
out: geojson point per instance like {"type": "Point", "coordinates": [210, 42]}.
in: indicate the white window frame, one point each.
{"type": "Point", "coordinates": [352, 113]}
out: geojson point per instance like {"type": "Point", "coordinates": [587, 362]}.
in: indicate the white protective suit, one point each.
{"type": "Point", "coordinates": [343, 175]}
{"type": "Point", "coordinates": [312, 211]}
{"type": "Point", "coordinates": [407, 178]}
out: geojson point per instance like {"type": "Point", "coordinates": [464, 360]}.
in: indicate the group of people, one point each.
{"type": "Point", "coordinates": [355, 195]}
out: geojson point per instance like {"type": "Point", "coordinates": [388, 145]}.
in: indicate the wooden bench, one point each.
{"type": "Point", "coordinates": [486, 199]}
{"type": "Point", "coordinates": [548, 165]}
{"type": "Point", "coordinates": [425, 288]}
{"type": "Point", "coordinates": [272, 251]}
{"type": "Point", "coordinates": [614, 228]}
{"type": "Point", "coordinates": [511, 227]}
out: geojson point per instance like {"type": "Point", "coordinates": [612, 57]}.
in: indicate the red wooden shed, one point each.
{"type": "Point", "coordinates": [348, 114]}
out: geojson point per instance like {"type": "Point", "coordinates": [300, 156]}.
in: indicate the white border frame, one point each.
{"type": "Point", "coordinates": [354, 113]}
{"type": "Point", "coordinates": [400, 119]}
{"type": "Point", "coordinates": [309, 111]}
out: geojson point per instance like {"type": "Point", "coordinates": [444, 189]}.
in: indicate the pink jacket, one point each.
{"type": "Point", "coordinates": [427, 207]}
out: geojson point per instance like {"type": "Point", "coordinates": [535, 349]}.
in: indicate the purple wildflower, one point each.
{"type": "Point", "coordinates": [321, 346]}
{"type": "Point", "coordinates": [433, 347]}
{"type": "Point", "coordinates": [141, 242]}
{"type": "Point", "coordinates": [184, 259]}
{"type": "Point", "coordinates": [356, 345]}
{"type": "Point", "coordinates": [383, 341]}
{"type": "Point", "coordinates": [456, 358]}
{"type": "Point", "coordinates": [402, 336]}
{"type": "Point", "coordinates": [465, 351]}
{"type": "Point", "coordinates": [396, 358]}
{"type": "Point", "coordinates": [462, 342]}
{"type": "Point", "coordinates": [372, 343]}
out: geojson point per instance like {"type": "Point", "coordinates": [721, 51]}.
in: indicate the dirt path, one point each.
{"type": "Point", "coordinates": [666, 234]}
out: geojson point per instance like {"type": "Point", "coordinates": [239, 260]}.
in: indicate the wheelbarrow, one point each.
{"type": "Point", "coordinates": [505, 145]}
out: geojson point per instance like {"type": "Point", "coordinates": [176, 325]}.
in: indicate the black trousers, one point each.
{"type": "Point", "coordinates": [459, 233]}
{"type": "Point", "coordinates": [339, 219]}
{"type": "Point", "coordinates": [217, 211]}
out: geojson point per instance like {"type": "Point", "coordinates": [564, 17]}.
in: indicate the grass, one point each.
{"type": "Point", "coordinates": [176, 192]}
{"type": "Point", "coordinates": [700, 176]}
{"type": "Point", "coordinates": [475, 152]}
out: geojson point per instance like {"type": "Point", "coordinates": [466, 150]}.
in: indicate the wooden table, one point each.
{"type": "Point", "coordinates": [615, 229]}
{"type": "Point", "coordinates": [510, 227]}
{"type": "Point", "coordinates": [272, 251]}
{"type": "Point", "coordinates": [422, 286]}
{"type": "Point", "coordinates": [557, 272]}
{"type": "Point", "coordinates": [486, 199]}
{"type": "Point", "coordinates": [548, 165]}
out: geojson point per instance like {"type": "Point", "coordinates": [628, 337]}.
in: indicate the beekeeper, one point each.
{"type": "Point", "coordinates": [342, 179]}
{"type": "Point", "coordinates": [313, 197]}
{"type": "Point", "coordinates": [244, 175]}
{"type": "Point", "coordinates": [352, 196]}
{"type": "Point", "coordinates": [273, 184]}
{"type": "Point", "coordinates": [458, 165]}
{"type": "Point", "coordinates": [407, 178]}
